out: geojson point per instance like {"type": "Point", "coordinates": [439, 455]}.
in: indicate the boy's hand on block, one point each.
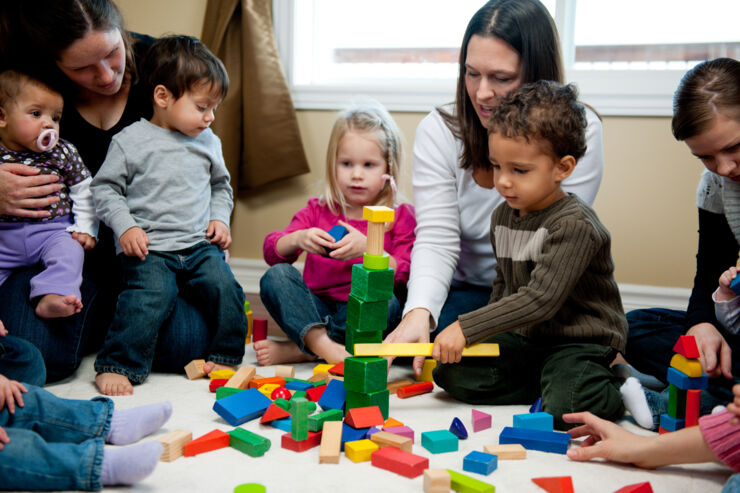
{"type": "Point", "coordinates": [219, 234]}
{"type": "Point", "coordinates": [725, 291]}
{"type": "Point", "coordinates": [353, 244]}
{"type": "Point", "coordinates": [715, 354]}
{"type": "Point", "coordinates": [134, 243]}
{"type": "Point", "coordinates": [84, 239]}
{"type": "Point", "coordinates": [449, 344]}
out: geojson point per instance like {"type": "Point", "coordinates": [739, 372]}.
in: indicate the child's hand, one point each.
{"type": "Point", "coordinates": [10, 394]}
{"type": "Point", "coordinates": [734, 406]}
{"type": "Point", "coordinates": [724, 293]}
{"type": "Point", "coordinates": [84, 239]}
{"type": "Point", "coordinates": [219, 234]}
{"type": "Point", "coordinates": [715, 355]}
{"type": "Point", "coordinates": [449, 344]}
{"type": "Point", "coordinates": [134, 243]}
{"type": "Point", "coordinates": [353, 245]}
{"type": "Point", "coordinates": [4, 438]}
{"type": "Point", "coordinates": [3, 330]}
{"type": "Point", "coordinates": [607, 440]}
{"type": "Point", "coordinates": [314, 240]}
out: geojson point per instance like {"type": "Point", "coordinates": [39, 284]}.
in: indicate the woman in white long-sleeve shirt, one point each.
{"type": "Point", "coordinates": [507, 43]}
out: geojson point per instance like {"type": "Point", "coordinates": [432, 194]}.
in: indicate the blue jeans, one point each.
{"type": "Point", "coordinates": [462, 298]}
{"type": "Point", "coordinates": [296, 309]}
{"type": "Point", "coordinates": [20, 360]}
{"type": "Point", "coordinates": [653, 333]}
{"type": "Point", "coordinates": [733, 484]}
{"type": "Point", "coordinates": [149, 296]}
{"type": "Point", "coordinates": [55, 444]}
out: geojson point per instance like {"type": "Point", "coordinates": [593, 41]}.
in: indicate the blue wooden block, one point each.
{"type": "Point", "coordinates": [334, 396]}
{"type": "Point", "coordinates": [735, 285]}
{"type": "Point", "coordinates": [282, 424]}
{"type": "Point", "coordinates": [337, 232]}
{"type": "Point", "coordinates": [298, 385]}
{"type": "Point", "coordinates": [350, 434]}
{"type": "Point", "coordinates": [439, 441]}
{"type": "Point", "coordinates": [371, 431]}
{"type": "Point", "coordinates": [242, 407]}
{"type": "Point", "coordinates": [685, 382]}
{"type": "Point", "coordinates": [537, 406]}
{"type": "Point", "coordinates": [670, 423]}
{"type": "Point", "coordinates": [480, 462]}
{"type": "Point", "coordinates": [545, 441]}
{"type": "Point", "coordinates": [535, 421]}
{"type": "Point", "coordinates": [458, 429]}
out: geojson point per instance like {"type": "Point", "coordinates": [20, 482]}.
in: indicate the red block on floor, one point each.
{"type": "Point", "coordinates": [416, 389]}
{"type": "Point", "coordinates": [337, 369]}
{"type": "Point", "coordinates": [314, 394]}
{"type": "Point", "coordinates": [313, 440]}
{"type": "Point", "coordinates": [364, 417]}
{"type": "Point", "coordinates": [399, 461]}
{"type": "Point", "coordinates": [561, 484]}
{"type": "Point", "coordinates": [274, 412]}
{"type": "Point", "coordinates": [636, 488]}
{"type": "Point", "coordinates": [214, 440]}
{"type": "Point", "coordinates": [219, 382]}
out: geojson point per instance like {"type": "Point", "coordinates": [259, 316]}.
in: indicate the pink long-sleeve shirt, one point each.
{"type": "Point", "coordinates": [331, 278]}
{"type": "Point", "coordinates": [722, 437]}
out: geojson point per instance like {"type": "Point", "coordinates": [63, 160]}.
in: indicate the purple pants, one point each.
{"type": "Point", "coordinates": [27, 243]}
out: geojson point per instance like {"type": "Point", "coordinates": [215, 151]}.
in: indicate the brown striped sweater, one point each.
{"type": "Point", "coordinates": [554, 278]}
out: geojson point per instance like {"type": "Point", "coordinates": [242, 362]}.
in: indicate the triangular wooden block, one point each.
{"type": "Point", "coordinates": [686, 346]}
{"type": "Point", "coordinates": [274, 412]}
{"type": "Point", "coordinates": [390, 423]}
{"type": "Point", "coordinates": [337, 369]}
{"type": "Point", "coordinates": [481, 420]}
{"type": "Point", "coordinates": [214, 440]}
{"type": "Point", "coordinates": [636, 488]}
{"type": "Point", "coordinates": [561, 484]}
{"type": "Point", "coordinates": [364, 417]}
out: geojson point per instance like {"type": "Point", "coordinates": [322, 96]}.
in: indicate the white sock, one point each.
{"type": "Point", "coordinates": [634, 400]}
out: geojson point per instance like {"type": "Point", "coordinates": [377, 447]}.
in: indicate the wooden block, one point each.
{"type": "Point", "coordinates": [436, 481]}
{"type": "Point", "coordinates": [380, 398]}
{"type": "Point", "coordinates": [545, 441]}
{"type": "Point", "coordinates": [313, 440]}
{"type": "Point", "coordinates": [693, 401]}
{"type": "Point", "coordinates": [364, 417]}
{"type": "Point", "coordinates": [322, 368]}
{"type": "Point", "coordinates": [466, 484]}
{"type": "Point", "coordinates": [285, 371]}
{"type": "Point", "coordinates": [385, 439]}
{"type": "Point", "coordinates": [480, 462]}
{"type": "Point", "coordinates": [399, 461]}
{"type": "Point", "coordinates": [458, 429]}
{"type": "Point", "coordinates": [331, 442]}
{"type": "Point", "coordinates": [250, 325]}
{"type": "Point", "coordinates": [690, 367]}
{"type": "Point", "coordinates": [670, 423]}
{"type": "Point", "coordinates": [365, 374]}
{"type": "Point", "coordinates": [352, 338]}
{"type": "Point", "coordinates": [391, 422]}
{"type": "Point", "coordinates": [360, 450]}
{"type": "Point", "coordinates": [250, 488]}
{"type": "Point", "coordinates": [686, 346]}
{"type": "Point", "coordinates": [318, 377]}
{"type": "Point", "coordinates": [194, 369]}
{"type": "Point", "coordinates": [481, 420]}
{"type": "Point", "coordinates": [684, 382]}
{"type": "Point", "coordinates": [404, 431]}
{"type": "Point", "coordinates": [560, 484]}
{"type": "Point", "coordinates": [378, 214]}
{"type": "Point", "coordinates": [535, 421]}
{"type": "Point", "coordinates": [274, 412]}
{"type": "Point", "coordinates": [439, 441]}
{"type": "Point", "coordinates": [419, 349]}
{"type": "Point", "coordinates": [242, 407]}
{"type": "Point", "coordinates": [242, 377]}
{"type": "Point", "coordinates": [376, 262]}
{"type": "Point", "coordinates": [676, 401]}
{"type": "Point", "coordinates": [397, 384]}
{"type": "Point", "coordinates": [337, 369]}
{"type": "Point", "coordinates": [213, 440]}
{"type": "Point", "coordinates": [511, 451]}
{"type": "Point", "coordinates": [259, 329]}
{"type": "Point", "coordinates": [415, 389]}
{"type": "Point", "coordinates": [314, 394]}
{"type": "Point", "coordinates": [366, 316]}
{"type": "Point", "coordinates": [250, 443]}
{"type": "Point", "coordinates": [224, 391]}
{"type": "Point", "coordinates": [334, 396]}
{"type": "Point", "coordinates": [216, 384]}
{"type": "Point", "coordinates": [257, 382]}
{"type": "Point", "coordinates": [299, 418]}
{"type": "Point", "coordinates": [224, 373]}
{"type": "Point", "coordinates": [268, 388]}
{"type": "Point", "coordinates": [372, 285]}
{"type": "Point", "coordinates": [316, 421]}
{"type": "Point", "coordinates": [636, 488]}
{"type": "Point", "coordinates": [173, 444]}
{"type": "Point", "coordinates": [298, 385]}
{"type": "Point", "coordinates": [426, 371]}
{"type": "Point", "coordinates": [375, 238]}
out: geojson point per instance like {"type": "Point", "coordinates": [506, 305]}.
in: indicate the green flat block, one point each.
{"type": "Point", "coordinates": [250, 443]}
{"type": "Point", "coordinates": [465, 484]}
{"type": "Point", "coordinates": [250, 487]}
{"type": "Point", "coordinates": [371, 285]}
{"type": "Point", "coordinates": [376, 262]}
{"type": "Point", "coordinates": [366, 316]}
{"type": "Point", "coordinates": [366, 399]}
{"type": "Point", "coordinates": [676, 402]}
{"type": "Point", "coordinates": [351, 338]}
{"type": "Point", "coordinates": [299, 418]}
{"type": "Point", "coordinates": [222, 392]}
{"type": "Point", "coordinates": [365, 374]}
{"type": "Point", "coordinates": [316, 422]}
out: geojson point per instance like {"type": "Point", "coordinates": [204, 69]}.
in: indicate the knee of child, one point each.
{"type": "Point", "coordinates": [276, 274]}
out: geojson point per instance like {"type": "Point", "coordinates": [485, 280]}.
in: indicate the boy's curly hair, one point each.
{"type": "Point", "coordinates": [546, 112]}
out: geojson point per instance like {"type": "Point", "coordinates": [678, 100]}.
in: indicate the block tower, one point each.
{"type": "Point", "coordinates": [685, 380]}
{"type": "Point", "coordinates": [365, 379]}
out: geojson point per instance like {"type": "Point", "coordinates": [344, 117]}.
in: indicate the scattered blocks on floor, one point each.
{"type": "Point", "coordinates": [267, 389]}
{"type": "Point", "coordinates": [436, 481]}
{"type": "Point", "coordinates": [397, 384]}
{"type": "Point", "coordinates": [299, 418]}
{"type": "Point", "coordinates": [250, 443]}
{"type": "Point", "coordinates": [337, 369]}
{"type": "Point", "coordinates": [285, 371]}
{"type": "Point", "coordinates": [313, 440]}
{"type": "Point", "coordinates": [365, 374]}
{"type": "Point", "coordinates": [364, 417]}
{"type": "Point", "coordinates": [213, 440]}
{"type": "Point", "coordinates": [322, 368]}
{"type": "Point", "coordinates": [545, 441]}
{"type": "Point", "coordinates": [537, 406]}
{"type": "Point", "coordinates": [511, 451]}
{"type": "Point", "coordinates": [173, 444]}
{"type": "Point", "coordinates": [314, 394]}
{"type": "Point", "coordinates": [360, 450]}
{"type": "Point", "coordinates": [298, 385]}
{"type": "Point", "coordinates": [216, 384]}
{"type": "Point", "coordinates": [350, 434]}
{"type": "Point", "coordinates": [242, 377]}
{"type": "Point", "coordinates": [458, 429]}
{"type": "Point", "coordinates": [225, 373]}
{"type": "Point", "coordinates": [385, 439]}
{"type": "Point", "coordinates": [281, 393]}
{"type": "Point", "coordinates": [331, 442]}
{"type": "Point", "coordinates": [481, 421]}
{"type": "Point", "coordinates": [281, 424]}
{"type": "Point", "coordinates": [242, 407]}
{"type": "Point", "coordinates": [316, 421]}
{"type": "Point", "coordinates": [465, 484]}
{"type": "Point", "coordinates": [365, 399]}
{"type": "Point", "coordinates": [399, 461]}
{"type": "Point", "coordinates": [391, 422]}
{"type": "Point", "coordinates": [439, 441]}
{"type": "Point", "coordinates": [404, 431]}
{"type": "Point", "coordinates": [257, 382]}
{"type": "Point", "coordinates": [334, 396]}
{"type": "Point", "coordinates": [636, 488]}
{"type": "Point", "coordinates": [224, 391]}
{"type": "Point", "coordinates": [415, 389]}
{"type": "Point", "coordinates": [194, 369]}
{"type": "Point", "coordinates": [274, 412]}
{"type": "Point", "coordinates": [535, 421]}
{"type": "Point", "coordinates": [561, 484]}
{"type": "Point", "coordinates": [480, 462]}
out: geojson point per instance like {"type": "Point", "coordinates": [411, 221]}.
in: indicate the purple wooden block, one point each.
{"type": "Point", "coordinates": [458, 429]}
{"type": "Point", "coordinates": [401, 430]}
{"type": "Point", "coordinates": [373, 429]}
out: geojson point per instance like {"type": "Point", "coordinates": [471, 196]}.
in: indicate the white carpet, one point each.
{"type": "Point", "coordinates": [282, 470]}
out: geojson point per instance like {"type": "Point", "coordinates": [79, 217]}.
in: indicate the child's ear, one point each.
{"type": "Point", "coordinates": [162, 96]}
{"type": "Point", "coordinates": [564, 167]}
{"type": "Point", "coordinates": [3, 117]}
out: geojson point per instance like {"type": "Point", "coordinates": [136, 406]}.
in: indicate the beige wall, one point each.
{"type": "Point", "coordinates": [646, 199]}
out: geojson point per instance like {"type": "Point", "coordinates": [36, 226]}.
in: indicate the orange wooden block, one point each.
{"type": "Point", "coordinates": [561, 484]}
{"type": "Point", "coordinates": [214, 440]}
{"type": "Point", "coordinates": [693, 400]}
{"type": "Point", "coordinates": [416, 389]}
{"type": "Point", "coordinates": [390, 422]}
{"type": "Point", "coordinates": [364, 417]}
{"type": "Point", "coordinates": [258, 382]}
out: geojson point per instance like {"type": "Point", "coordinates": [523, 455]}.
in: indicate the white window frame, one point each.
{"type": "Point", "coordinates": [611, 92]}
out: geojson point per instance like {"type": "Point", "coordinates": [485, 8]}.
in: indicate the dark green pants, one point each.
{"type": "Point", "coordinates": [570, 377]}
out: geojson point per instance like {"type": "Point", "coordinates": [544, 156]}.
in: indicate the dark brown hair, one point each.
{"type": "Point", "coordinates": [12, 83]}
{"type": "Point", "coordinates": [705, 90]}
{"type": "Point", "coordinates": [526, 26]}
{"type": "Point", "coordinates": [544, 112]}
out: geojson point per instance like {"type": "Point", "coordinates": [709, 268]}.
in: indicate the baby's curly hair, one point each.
{"type": "Point", "coordinates": [545, 112]}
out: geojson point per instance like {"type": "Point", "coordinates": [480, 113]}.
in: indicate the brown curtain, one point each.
{"type": "Point", "coordinates": [256, 122]}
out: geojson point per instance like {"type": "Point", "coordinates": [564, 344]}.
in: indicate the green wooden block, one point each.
{"type": "Point", "coordinates": [676, 402]}
{"type": "Point", "coordinates": [316, 422]}
{"type": "Point", "coordinates": [282, 404]}
{"type": "Point", "coordinates": [298, 418]}
{"type": "Point", "coordinates": [299, 393]}
{"type": "Point", "coordinates": [366, 399]}
{"type": "Point", "coordinates": [351, 338]}
{"type": "Point", "coordinates": [222, 392]}
{"type": "Point", "coordinates": [465, 484]}
{"type": "Point", "coordinates": [248, 442]}
{"type": "Point", "coordinates": [376, 262]}
{"type": "Point", "coordinates": [365, 374]}
{"type": "Point", "coordinates": [366, 316]}
{"type": "Point", "coordinates": [371, 285]}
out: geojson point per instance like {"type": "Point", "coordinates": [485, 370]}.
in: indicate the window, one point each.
{"type": "Point", "coordinates": [626, 57]}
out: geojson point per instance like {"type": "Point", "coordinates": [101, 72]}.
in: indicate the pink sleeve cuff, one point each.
{"type": "Point", "coordinates": [722, 437]}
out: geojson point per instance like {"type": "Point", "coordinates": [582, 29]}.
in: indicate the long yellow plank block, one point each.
{"type": "Point", "coordinates": [419, 349]}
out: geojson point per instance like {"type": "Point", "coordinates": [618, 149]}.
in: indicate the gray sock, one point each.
{"type": "Point", "coordinates": [129, 465]}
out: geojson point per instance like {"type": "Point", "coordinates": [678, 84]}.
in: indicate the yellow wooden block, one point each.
{"type": "Point", "coordinates": [378, 214]}
{"type": "Point", "coordinates": [322, 368]}
{"type": "Point", "coordinates": [360, 450]}
{"type": "Point", "coordinates": [391, 422]}
{"type": "Point", "coordinates": [268, 388]}
{"type": "Point", "coordinates": [250, 325]}
{"type": "Point", "coordinates": [506, 452]}
{"type": "Point", "coordinates": [690, 367]}
{"type": "Point", "coordinates": [426, 371]}
{"type": "Point", "coordinates": [418, 349]}
{"type": "Point", "coordinates": [224, 374]}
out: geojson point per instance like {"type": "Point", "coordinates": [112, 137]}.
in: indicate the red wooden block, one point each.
{"type": "Point", "coordinates": [259, 329]}
{"type": "Point", "coordinates": [686, 346]}
{"type": "Point", "coordinates": [216, 439]}
{"type": "Point", "coordinates": [337, 369]}
{"type": "Point", "coordinates": [281, 393]}
{"type": "Point", "coordinates": [259, 382]}
{"type": "Point", "coordinates": [415, 389]}
{"type": "Point", "coordinates": [693, 399]}
{"type": "Point", "coordinates": [274, 412]}
{"type": "Point", "coordinates": [560, 484]}
{"type": "Point", "coordinates": [364, 417]}
{"type": "Point", "coordinates": [313, 440]}
{"type": "Point", "coordinates": [315, 393]}
{"type": "Point", "coordinates": [662, 430]}
{"type": "Point", "coordinates": [399, 461]}
{"type": "Point", "coordinates": [218, 382]}
{"type": "Point", "coordinates": [636, 488]}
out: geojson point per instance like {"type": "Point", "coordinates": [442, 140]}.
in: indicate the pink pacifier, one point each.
{"type": "Point", "coordinates": [47, 139]}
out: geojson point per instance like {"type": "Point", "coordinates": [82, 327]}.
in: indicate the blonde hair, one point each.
{"type": "Point", "coordinates": [369, 117]}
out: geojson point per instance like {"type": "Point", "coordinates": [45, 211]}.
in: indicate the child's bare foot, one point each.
{"type": "Point", "coordinates": [211, 366]}
{"type": "Point", "coordinates": [58, 306]}
{"type": "Point", "coordinates": [113, 384]}
{"type": "Point", "coordinates": [277, 352]}
{"type": "Point", "coordinates": [319, 342]}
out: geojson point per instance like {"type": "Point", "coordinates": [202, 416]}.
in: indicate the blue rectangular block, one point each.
{"type": "Point", "coordinates": [242, 407]}
{"type": "Point", "coordinates": [337, 232]}
{"type": "Point", "coordinates": [535, 421]}
{"type": "Point", "coordinates": [439, 441]}
{"type": "Point", "coordinates": [480, 462]}
{"type": "Point", "coordinates": [334, 396]}
{"type": "Point", "coordinates": [282, 424]}
{"type": "Point", "coordinates": [350, 434]}
{"type": "Point", "coordinates": [685, 382]}
{"type": "Point", "coordinates": [545, 441]}
{"type": "Point", "coordinates": [298, 385]}
{"type": "Point", "coordinates": [670, 423]}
